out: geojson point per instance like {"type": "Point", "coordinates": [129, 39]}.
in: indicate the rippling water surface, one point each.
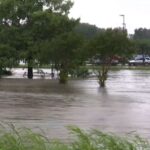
{"type": "Point", "coordinates": [122, 107]}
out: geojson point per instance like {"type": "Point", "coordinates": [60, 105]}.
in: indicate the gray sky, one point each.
{"type": "Point", "coordinates": [106, 13]}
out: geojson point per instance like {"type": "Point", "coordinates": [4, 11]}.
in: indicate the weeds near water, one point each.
{"type": "Point", "coordinates": [25, 139]}
{"type": "Point", "coordinates": [97, 140]}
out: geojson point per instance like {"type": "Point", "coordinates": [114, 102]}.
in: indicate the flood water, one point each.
{"type": "Point", "coordinates": [122, 107]}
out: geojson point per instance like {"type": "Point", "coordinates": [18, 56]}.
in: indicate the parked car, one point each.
{"type": "Point", "coordinates": [140, 61]}
{"type": "Point", "coordinates": [99, 62]}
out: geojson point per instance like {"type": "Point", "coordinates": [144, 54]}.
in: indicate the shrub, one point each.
{"type": "Point", "coordinates": [25, 139]}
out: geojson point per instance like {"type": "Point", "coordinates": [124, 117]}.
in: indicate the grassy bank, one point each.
{"type": "Point", "coordinates": [116, 67]}
{"type": "Point", "coordinates": [25, 139]}
{"type": "Point", "coordinates": [121, 67]}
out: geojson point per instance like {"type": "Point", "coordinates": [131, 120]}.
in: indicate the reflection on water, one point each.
{"type": "Point", "coordinates": [123, 106]}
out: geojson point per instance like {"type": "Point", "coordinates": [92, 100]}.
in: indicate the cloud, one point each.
{"type": "Point", "coordinates": [105, 13]}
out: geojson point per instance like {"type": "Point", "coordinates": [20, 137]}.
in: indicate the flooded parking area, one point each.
{"type": "Point", "coordinates": [123, 106]}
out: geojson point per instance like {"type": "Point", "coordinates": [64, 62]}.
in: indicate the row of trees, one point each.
{"type": "Point", "coordinates": [28, 26]}
{"type": "Point", "coordinates": [40, 31]}
{"type": "Point", "coordinates": [142, 40]}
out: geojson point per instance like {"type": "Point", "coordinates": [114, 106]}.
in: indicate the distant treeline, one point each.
{"type": "Point", "coordinates": [88, 31]}
{"type": "Point", "coordinates": [141, 33]}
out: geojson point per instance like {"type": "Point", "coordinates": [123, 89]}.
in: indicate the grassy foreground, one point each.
{"type": "Point", "coordinates": [25, 139]}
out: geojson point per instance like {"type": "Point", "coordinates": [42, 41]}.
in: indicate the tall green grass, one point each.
{"type": "Point", "coordinates": [25, 139]}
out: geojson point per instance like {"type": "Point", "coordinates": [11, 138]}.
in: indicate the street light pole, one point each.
{"type": "Point", "coordinates": [124, 24]}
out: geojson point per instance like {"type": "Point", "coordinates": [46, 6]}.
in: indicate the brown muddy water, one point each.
{"type": "Point", "coordinates": [122, 107]}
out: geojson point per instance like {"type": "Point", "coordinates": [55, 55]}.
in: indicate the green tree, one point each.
{"type": "Point", "coordinates": [66, 52]}
{"type": "Point", "coordinates": [141, 33]}
{"type": "Point", "coordinates": [107, 45]}
{"type": "Point", "coordinates": [23, 15]}
{"type": "Point", "coordinates": [142, 41]}
{"type": "Point", "coordinates": [8, 54]}
{"type": "Point", "coordinates": [47, 27]}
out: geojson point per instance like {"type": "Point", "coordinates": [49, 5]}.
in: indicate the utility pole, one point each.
{"type": "Point", "coordinates": [124, 24]}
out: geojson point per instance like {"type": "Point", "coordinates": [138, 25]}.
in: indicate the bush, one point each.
{"type": "Point", "coordinates": [6, 72]}
{"type": "Point", "coordinates": [97, 140]}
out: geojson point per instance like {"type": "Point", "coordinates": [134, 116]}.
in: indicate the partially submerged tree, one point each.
{"type": "Point", "coordinates": [107, 45]}
{"type": "Point", "coordinates": [8, 47]}
{"type": "Point", "coordinates": [66, 53]}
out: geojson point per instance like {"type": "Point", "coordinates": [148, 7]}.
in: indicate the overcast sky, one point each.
{"type": "Point", "coordinates": [106, 13]}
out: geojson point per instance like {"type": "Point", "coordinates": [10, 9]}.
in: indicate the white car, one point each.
{"type": "Point", "coordinates": [140, 61]}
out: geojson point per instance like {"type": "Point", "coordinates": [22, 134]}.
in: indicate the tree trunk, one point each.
{"type": "Point", "coordinates": [52, 71]}
{"type": "Point", "coordinates": [30, 72]}
{"type": "Point", "coordinates": [63, 76]}
{"type": "Point", "coordinates": [30, 68]}
{"type": "Point", "coordinates": [102, 83]}
{"type": "Point", "coordinates": [103, 76]}
{"type": "Point", "coordinates": [102, 80]}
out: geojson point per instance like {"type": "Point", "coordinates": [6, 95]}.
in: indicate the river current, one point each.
{"type": "Point", "coordinates": [123, 106]}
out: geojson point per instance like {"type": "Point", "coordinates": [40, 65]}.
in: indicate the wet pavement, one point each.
{"type": "Point", "coordinates": [122, 107]}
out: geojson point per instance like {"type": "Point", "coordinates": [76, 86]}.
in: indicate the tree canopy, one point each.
{"type": "Point", "coordinates": [33, 21]}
